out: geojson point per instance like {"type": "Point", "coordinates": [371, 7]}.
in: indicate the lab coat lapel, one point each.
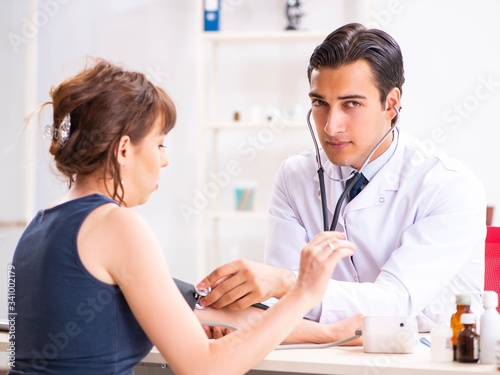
{"type": "Point", "coordinates": [377, 192]}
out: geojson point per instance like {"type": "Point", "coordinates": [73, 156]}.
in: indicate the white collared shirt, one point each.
{"type": "Point", "coordinates": [418, 226]}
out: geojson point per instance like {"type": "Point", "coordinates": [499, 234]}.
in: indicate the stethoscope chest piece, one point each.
{"type": "Point", "coordinates": [199, 293]}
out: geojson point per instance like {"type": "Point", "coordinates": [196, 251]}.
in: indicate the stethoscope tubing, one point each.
{"type": "Point", "coordinates": [321, 172]}
{"type": "Point", "coordinates": [355, 177]}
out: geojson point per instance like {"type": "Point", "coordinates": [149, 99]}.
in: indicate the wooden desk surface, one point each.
{"type": "Point", "coordinates": [4, 345]}
{"type": "Point", "coordinates": [352, 360]}
{"type": "Point", "coordinates": [343, 360]}
{"type": "Point", "coordinates": [4, 341]}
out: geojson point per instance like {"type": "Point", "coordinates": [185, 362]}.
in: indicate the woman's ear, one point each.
{"type": "Point", "coordinates": [123, 150]}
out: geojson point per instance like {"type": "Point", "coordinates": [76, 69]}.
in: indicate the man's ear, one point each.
{"type": "Point", "coordinates": [394, 98]}
{"type": "Point", "coordinates": [123, 149]}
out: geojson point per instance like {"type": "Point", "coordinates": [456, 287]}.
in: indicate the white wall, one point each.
{"type": "Point", "coordinates": [157, 38]}
{"type": "Point", "coordinates": [452, 85]}
{"type": "Point", "coordinates": [451, 52]}
{"type": "Point", "coordinates": [13, 72]}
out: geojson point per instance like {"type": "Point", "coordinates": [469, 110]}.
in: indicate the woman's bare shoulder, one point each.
{"type": "Point", "coordinates": [123, 224]}
{"type": "Point", "coordinates": [116, 239]}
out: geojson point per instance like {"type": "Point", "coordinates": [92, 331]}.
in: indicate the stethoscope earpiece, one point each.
{"type": "Point", "coordinates": [397, 116]}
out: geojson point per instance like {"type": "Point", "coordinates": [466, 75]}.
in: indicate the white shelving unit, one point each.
{"type": "Point", "coordinates": [212, 125]}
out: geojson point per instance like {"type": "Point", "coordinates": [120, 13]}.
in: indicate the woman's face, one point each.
{"type": "Point", "coordinates": [142, 170]}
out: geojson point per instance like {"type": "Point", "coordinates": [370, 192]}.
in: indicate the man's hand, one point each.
{"type": "Point", "coordinates": [239, 284]}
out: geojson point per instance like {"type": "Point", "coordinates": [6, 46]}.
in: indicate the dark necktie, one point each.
{"type": "Point", "coordinates": [358, 186]}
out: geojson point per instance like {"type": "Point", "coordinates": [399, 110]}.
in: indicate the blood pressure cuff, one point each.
{"type": "Point", "coordinates": [188, 292]}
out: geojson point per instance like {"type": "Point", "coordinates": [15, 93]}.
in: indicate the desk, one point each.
{"type": "Point", "coordinates": [4, 346]}
{"type": "Point", "coordinates": [343, 360]}
{"type": "Point", "coordinates": [352, 360]}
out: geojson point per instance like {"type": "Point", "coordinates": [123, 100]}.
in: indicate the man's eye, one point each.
{"type": "Point", "coordinates": [352, 104]}
{"type": "Point", "coordinates": [317, 102]}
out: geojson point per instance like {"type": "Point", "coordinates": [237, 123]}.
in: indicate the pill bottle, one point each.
{"type": "Point", "coordinates": [498, 355]}
{"type": "Point", "coordinates": [489, 328]}
{"type": "Point", "coordinates": [441, 333]}
{"type": "Point", "coordinates": [468, 340]}
{"type": "Point", "coordinates": [463, 307]}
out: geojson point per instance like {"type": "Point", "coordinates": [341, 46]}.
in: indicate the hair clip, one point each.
{"type": "Point", "coordinates": [61, 133]}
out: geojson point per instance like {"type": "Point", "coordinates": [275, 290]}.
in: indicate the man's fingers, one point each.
{"type": "Point", "coordinates": [244, 302]}
{"type": "Point", "coordinates": [226, 295]}
{"type": "Point", "coordinates": [220, 281]}
{"type": "Point", "coordinates": [217, 276]}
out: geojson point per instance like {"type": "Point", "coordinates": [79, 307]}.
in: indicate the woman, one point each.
{"type": "Point", "coordinates": [94, 292]}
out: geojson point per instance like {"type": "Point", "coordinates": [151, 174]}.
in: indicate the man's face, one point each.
{"type": "Point", "coordinates": [348, 114]}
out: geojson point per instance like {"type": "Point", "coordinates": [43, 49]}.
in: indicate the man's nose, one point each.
{"type": "Point", "coordinates": [335, 122]}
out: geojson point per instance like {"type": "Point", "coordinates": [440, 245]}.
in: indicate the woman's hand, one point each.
{"type": "Point", "coordinates": [318, 260]}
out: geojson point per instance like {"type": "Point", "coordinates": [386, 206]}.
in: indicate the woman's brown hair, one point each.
{"type": "Point", "coordinates": [105, 102]}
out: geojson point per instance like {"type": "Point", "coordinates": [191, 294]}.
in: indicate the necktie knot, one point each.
{"type": "Point", "coordinates": [358, 186]}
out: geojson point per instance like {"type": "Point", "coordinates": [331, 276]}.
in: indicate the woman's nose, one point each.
{"type": "Point", "coordinates": [164, 160]}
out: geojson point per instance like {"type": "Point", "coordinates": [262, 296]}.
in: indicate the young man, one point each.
{"type": "Point", "coordinates": [418, 224]}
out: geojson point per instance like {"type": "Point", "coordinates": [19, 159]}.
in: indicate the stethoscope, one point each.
{"type": "Point", "coordinates": [353, 178]}
{"type": "Point", "coordinates": [199, 294]}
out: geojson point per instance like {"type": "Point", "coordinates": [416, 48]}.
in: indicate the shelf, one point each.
{"type": "Point", "coordinates": [236, 215]}
{"type": "Point", "coordinates": [215, 124]}
{"type": "Point", "coordinates": [251, 126]}
{"type": "Point", "coordinates": [13, 224]}
{"type": "Point", "coordinates": [263, 36]}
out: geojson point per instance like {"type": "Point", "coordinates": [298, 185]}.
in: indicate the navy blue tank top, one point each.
{"type": "Point", "coordinates": [67, 321]}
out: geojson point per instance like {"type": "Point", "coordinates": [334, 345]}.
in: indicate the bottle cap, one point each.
{"type": "Point", "coordinates": [467, 319]}
{"type": "Point", "coordinates": [442, 318]}
{"type": "Point", "coordinates": [463, 299]}
{"type": "Point", "coordinates": [490, 299]}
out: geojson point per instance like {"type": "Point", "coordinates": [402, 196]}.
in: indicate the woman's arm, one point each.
{"type": "Point", "coordinates": [136, 263]}
{"type": "Point", "coordinates": [306, 331]}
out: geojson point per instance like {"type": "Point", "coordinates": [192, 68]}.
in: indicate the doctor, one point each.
{"type": "Point", "coordinates": [418, 223]}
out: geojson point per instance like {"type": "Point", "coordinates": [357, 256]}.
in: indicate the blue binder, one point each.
{"type": "Point", "coordinates": [211, 14]}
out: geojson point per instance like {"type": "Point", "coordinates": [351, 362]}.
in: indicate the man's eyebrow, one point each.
{"type": "Point", "coordinates": [354, 96]}
{"type": "Point", "coordinates": [312, 94]}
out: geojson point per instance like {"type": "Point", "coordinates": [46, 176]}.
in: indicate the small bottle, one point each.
{"type": "Point", "coordinates": [441, 333]}
{"type": "Point", "coordinates": [490, 328]}
{"type": "Point", "coordinates": [498, 355]}
{"type": "Point", "coordinates": [463, 307]}
{"type": "Point", "coordinates": [468, 340]}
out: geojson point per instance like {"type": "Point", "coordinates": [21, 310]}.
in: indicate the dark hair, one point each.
{"type": "Point", "coordinates": [105, 102]}
{"type": "Point", "coordinates": [354, 42]}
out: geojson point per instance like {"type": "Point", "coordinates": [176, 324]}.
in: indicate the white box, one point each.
{"type": "Point", "coordinates": [389, 334]}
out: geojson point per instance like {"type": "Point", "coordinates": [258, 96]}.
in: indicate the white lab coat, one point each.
{"type": "Point", "coordinates": [418, 226]}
